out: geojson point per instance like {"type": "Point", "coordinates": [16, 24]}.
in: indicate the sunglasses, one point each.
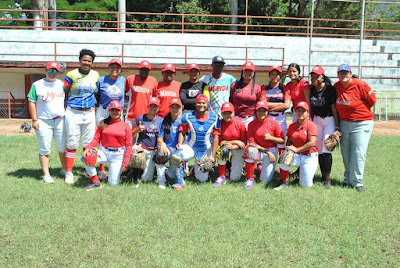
{"type": "Point", "coordinates": [52, 71]}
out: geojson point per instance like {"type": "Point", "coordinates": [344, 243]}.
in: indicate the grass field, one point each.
{"type": "Point", "coordinates": [64, 226]}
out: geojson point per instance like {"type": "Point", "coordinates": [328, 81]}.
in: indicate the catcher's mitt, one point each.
{"type": "Point", "coordinates": [160, 158]}
{"type": "Point", "coordinates": [251, 152]}
{"type": "Point", "coordinates": [25, 127]}
{"type": "Point", "coordinates": [287, 158]}
{"type": "Point", "coordinates": [223, 153]}
{"type": "Point", "coordinates": [333, 140]}
{"type": "Point", "coordinates": [138, 160]}
{"type": "Point", "coordinates": [91, 158]}
{"type": "Point", "coordinates": [206, 164]}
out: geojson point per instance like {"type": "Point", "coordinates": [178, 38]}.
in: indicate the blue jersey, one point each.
{"type": "Point", "coordinates": [148, 137]}
{"type": "Point", "coordinates": [110, 89]}
{"type": "Point", "coordinates": [82, 88]}
{"type": "Point", "coordinates": [200, 132]}
{"type": "Point", "coordinates": [170, 139]}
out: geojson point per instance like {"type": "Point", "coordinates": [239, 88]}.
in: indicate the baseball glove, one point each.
{"type": "Point", "coordinates": [160, 158]}
{"type": "Point", "coordinates": [138, 160]}
{"type": "Point", "coordinates": [251, 152]}
{"type": "Point", "coordinates": [206, 164]}
{"type": "Point", "coordinates": [223, 153]}
{"type": "Point", "coordinates": [287, 158]}
{"type": "Point", "coordinates": [91, 158]}
{"type": "Point", "coordinates": [333, 140]}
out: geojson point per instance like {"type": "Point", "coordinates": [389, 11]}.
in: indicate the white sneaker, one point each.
{"type": "Point", "coordinates": [63, 172]}
{"type": "Point", "coordinates": [102, 175]}
{"type": "Point", "coordinates": [69, 178]}
{"type": "Point", "coordinates": [48, 179]}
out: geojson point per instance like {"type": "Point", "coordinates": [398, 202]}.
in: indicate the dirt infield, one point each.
{"type": "Point", "coordinates": [10, 127]}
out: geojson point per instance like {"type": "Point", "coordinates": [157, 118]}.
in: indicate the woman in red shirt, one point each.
{"type": "Point", "coordinates": [354, 101]}
{"type": "Point", "coordinates": [114, 138]}
{"type": "Point", "coordinates": [298, 88]}
{"type": "Point", "coordinates": [168, 89]}
{"type": "Point", "coordinates": [264, 133]}
{"type": "Point", "coordinates": [302, 140]}
{"type": "Point", "coordinates": [245, 93]}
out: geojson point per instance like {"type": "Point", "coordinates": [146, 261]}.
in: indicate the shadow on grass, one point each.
{"type": "Point", "coordinates": [36, 174]}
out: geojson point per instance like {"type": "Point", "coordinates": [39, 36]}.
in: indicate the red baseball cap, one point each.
{"type": "Point", "coordinates": [261, 104]}
{"type": "Point", "coordinates": [227, 107]}
{"type": "Point", "coordinates": [53, 65]}
{"type": "Point", "coordinates": [275, 67]}
{"type": "Point", "coordinates": [168, 67]}
{"type": "Point", "coordinates": [201, 97]}
{"type": "Point", "coordinates": [115, 60]}
{"type": "Point", "coordinates": [145, 64]}
{"type": "Point", "coordinates": [303, 105]}
{"type": "Point", "coordinates": [318, 70]}
{"type": "Point", "coordinates": [248, 65]}
{"type": "Point", "coordinates": [193, 66]}
{"type": "Point", "coordinates": [114, 104]}
{"type": "Point", "coordinates": [154, 100]}
{"type": "Point", "coordinates": [175, 101]}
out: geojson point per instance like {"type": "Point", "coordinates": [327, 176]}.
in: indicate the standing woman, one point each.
{"type": "Point", "coordinates": [302, 140]}
{"type": "Point", "coordinates": [114, 139]}
{"type": "Point", "coordinates": [147, 126]}
{"type": "Point", "coordinates": [245, 94]}
{"type": "Point", "coordinates": [354, 101]}
{"type": "Point", "coordinates": [298, 88]}
{"type": "Point", "coordinates": [80, 85]}
{"type": "Point", "coordinates": [323, 99]}
{"type": "Point", "coordinates": [264, 133]}
{"type": "Point", "coordinates": [191, 88]}
{"type": "Point", "coordinates": [46, 107]}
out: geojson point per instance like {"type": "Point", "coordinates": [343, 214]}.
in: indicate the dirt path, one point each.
{"type": "Point", "coordinates": [12, 127]}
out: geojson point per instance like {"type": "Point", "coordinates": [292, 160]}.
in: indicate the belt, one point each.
{"type": "Point", "coordinates": [112, 149]}
{"type": "Point", "coordinates": [147, 148]}
{"type": "Point", "coordinates": [276, 114]}
{"type": "Point", "coordinates": [309, 154]}
{"type": "Point", "coordinates": [323, 116]}
{"type": "Point", "coordinates": [84, 109]}
{"type": "Point", "coordinates": [57, 117]}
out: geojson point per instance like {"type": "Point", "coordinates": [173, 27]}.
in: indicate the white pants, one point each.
{"type": "Point", "coordinates": [308, 166]}
{"type": "Point", "coordinates": [101, 114]}
{"type": "Point", "coordinates": [188, 154]}
{"type": "Point", "coordinates": [237, 164]}
{"type": "Point", "coordinates": [79, 123]}
{"type": "Point", "coordinates": [49, 128]}
{"type": "Point", "coordinates": [115, 159]}
{"type": "Point", "coordinates": [148, 172]}
{"type": "Point", "coordinates": [267, 167]}
{"type": "Point", "coordinates": [326, 126]}
{"type": "Point", "coordinates": [281, 119]}
{"type": "Point", "coordinates": [246, 120]}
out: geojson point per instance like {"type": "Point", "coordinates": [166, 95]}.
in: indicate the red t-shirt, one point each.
{"type": "Point", "coordinates": [257, 129]}
{"type": "Point", "coordinates": [243, 101]}
{"type": "Point", "coordinates": [140, 93]}
{"type": "Point", "coordinates": [117, 134]}
{"type": "Point", "coordinates": [233, 130]}
{"type": "Point", "coordinates": [299, 136]}
{"type": "Point", "coordinates": [296, 91]}
{"type": "Point", "coordinates": [165, 93]}
{"type": "Point", "coordinates": [354, 101]}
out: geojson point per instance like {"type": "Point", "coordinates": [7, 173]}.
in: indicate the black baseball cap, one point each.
{"type": "Point", "coordinates": [218, 59]}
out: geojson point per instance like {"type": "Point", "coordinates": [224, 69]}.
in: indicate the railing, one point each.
{"type": "Point", "coordinates": [193, 23]}
{"type": "Point", "coordinates": [10, 107]}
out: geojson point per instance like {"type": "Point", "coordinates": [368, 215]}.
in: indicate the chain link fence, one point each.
{"type": "Point", "coordinates": [387, 106]}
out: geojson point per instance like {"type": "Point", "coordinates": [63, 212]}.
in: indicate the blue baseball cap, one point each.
{"type": "Point", "coordinates": [344, 67]}
{"type": "Point", "coordinates": [218, 59]}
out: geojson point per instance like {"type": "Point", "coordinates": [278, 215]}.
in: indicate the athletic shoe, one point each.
{"type": "Point", "coordinates": [48, 179]}
{"type": "Point", "coordinates": [93, 185]}
{"type": "Point", "coordinates": [102, 175]}
{"type": "Point", "coordinates": [63, 172]}
{"type": "Point", "coordinates": [220, 180]}
{"type": "Point", "coordinates": [135, 183]}
{"type": "Point", "coordinates": [281, 185]}
{"type": "Point", "coordinates": [69, 178]}
{"type": "Point", "coordinates": [360, 188]}
{"type": "Point", "coordinates": [177, 186]}
{"type": "Point", "coordinates": [259, 169]}
{"type": "Point", "coordinates": [162, 185]}
{"type": "Point", "coordinates": [345, 185]}
{"type": "Point", "coordinates": [327, 184]}
{"type": "Point", "coordinates": [249, 184]}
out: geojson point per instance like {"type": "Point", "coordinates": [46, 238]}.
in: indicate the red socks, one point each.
{"type": "Point", "coordinates": [102, 167]}
{"type": "Point", "coordinates": [221, 170]}
{"type": "Point", "coordinates": [283, 174]}
{"type": "Point", "coordinates": [69, 159]}
{"type": "Point", "coordinates": [95, 178]}
{"type": "Point", "coordinates": [250, 169]}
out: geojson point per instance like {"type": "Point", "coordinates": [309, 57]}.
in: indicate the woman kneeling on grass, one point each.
{"type": "Point", "coordinates": [115, 139]}
{"type": "Point", "coordinates": [46, 106]}
{"type": "Point", "coordinates": [302, 140]}
{"type": "Point", "coordinates": [264, 133]}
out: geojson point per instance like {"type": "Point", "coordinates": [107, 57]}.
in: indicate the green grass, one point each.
{"type": "Point", "coordinates": [64, 226]}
